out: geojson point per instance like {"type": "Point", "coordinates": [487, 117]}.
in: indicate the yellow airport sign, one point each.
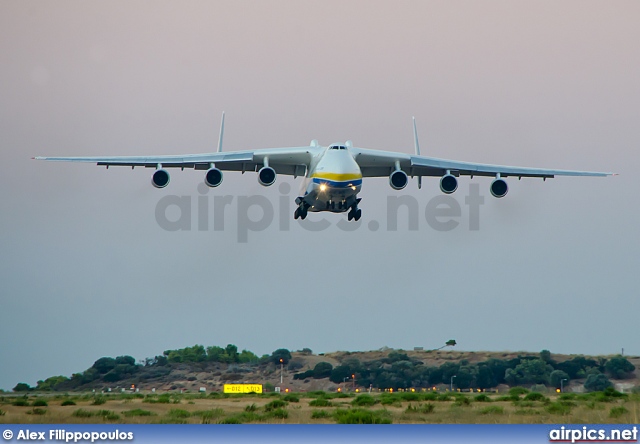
{"type": "Point", "coordinates": [243, 388]}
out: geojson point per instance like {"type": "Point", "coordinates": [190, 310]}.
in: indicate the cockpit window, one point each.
{"type": "Point", "coordinates": [337, 147]}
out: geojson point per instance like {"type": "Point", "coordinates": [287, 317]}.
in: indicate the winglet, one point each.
{"type": "Point", "coordinates": [415, 137]}
{"type": "Point", "coordinates": [221, 134]}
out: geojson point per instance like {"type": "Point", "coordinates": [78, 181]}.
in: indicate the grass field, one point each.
{"type": "Point", "coordinates": [321, 407]}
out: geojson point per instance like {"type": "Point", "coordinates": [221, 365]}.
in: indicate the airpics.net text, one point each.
{"type": "Point", "coordinates": [256, 213]}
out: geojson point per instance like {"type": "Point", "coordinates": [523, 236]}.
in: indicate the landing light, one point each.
{"type": "Point", "coordinates": [323, 187]}
{"type": "Point", "coordinates": [353, 187]}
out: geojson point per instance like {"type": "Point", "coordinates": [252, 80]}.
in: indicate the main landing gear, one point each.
{"type": "Point", "coordinates": [355, 213]}
{"type": "Point", "coordinates": [301, 211]}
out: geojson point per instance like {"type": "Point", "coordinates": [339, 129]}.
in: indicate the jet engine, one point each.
{"type": "Point", "coordinates": [266, 176]}
{"type": "Point", "coordinates": [160, 179]}
{"type": "Point", "coordinates": [398, 180]}
{"type": "Point", "coordinates": [448, 183]}
{"type": "Point", "coordinates": [499, 188]}
{"type": "Point", "coordinates": [213, 177]}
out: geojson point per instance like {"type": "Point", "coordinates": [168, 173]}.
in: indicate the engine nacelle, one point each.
{"type": "Point", "coordinates": [160, 179]}
{"type": "Point", "coordinates": [213, 177]}
{"type": "Point", "coordinates": [266, 176]}
{"type": "Point", "coordinates": [448, 183]}
{"type": "Point", "coordinates": [499, 188]}
{"type": "Point", "coordinates": [398, 180]}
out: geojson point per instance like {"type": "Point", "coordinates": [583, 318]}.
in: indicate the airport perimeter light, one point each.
{"type": "Point", "coordinates": [451, 384]}
{"type": "Point", "coordinates": [562, 384]}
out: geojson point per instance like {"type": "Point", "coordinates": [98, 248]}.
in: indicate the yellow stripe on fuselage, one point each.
{"type": "Point", "coordinates": [336, 177]}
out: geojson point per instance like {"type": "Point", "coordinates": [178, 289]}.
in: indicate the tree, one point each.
{"type": "Point", "coordinates": [485, 377]}
{"type": "Point", "coordinates": [619, 367]}
{"type": "Point", "coordinates": [22, 387]}
{"type": "Point", "coordinates": [597, 383]}
{"type": "Point", "coordinates": [339, 373]}
{"type": "Point", "coordinates": [545, 355]}
{"type": "Point", "coordinates": [281, 353]}
{"type": "Point", "coordinates": [51, 383]}
{"type": "Point", "coordinates": [215, 353]}
{"type": "Point", "coordinates": [104, 365]}
{"type": "Point", "coordinates": [126, 360]}
{"type": "Point", "coordinates": [246, 357]}
{"type": "Point", "coordinates": [556, 377]}
{"type": "Point", "coordinates": [322, 370]}
{"type": "Point", "coordinates": [529, 371]}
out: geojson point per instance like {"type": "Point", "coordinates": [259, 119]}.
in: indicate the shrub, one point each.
{"type": "Point", "coordinates": [431, 396]}
{"type": "Point", "coordinates": [137, 412]}
{"type": "Point", "coordinates": [390, 400]}
{"type": "Point", "coordinates": [617, 412]}
{"type": "Point", "coordinates": [556, 408]}
{"type": "Point", "coordinates": [527, 412]}
{"type": "Point", "coordinates": [67, 402]}
{"type": "Point", "coordinates": [291, 398]}
{"type": "Point", "coordinates": [320, 414]}
{"type": "Point", "coordinates": [275, 404]}
{"type": "Point", "coordinates": [99, 400]}
{"type": "Point", "coordinates": [517, 391]}
{"type": "Point", "coordinates": [409, 396]}
{"type": "Point", "coordinates": [179, 413]}
{"type": "Point", "coordinates": [427, 408]}
{"type": "Point", "coordinates": [37, 411]}
{"type": "Point", "coordinates": [251, 408]}
{"type": "Point", "coordinates": [230, 420]}
{"type": "Point", "coordinates": [364, 401]}
{"type": "Point", "coordinates": [280, 413]}
{"type": "Point", "coordinates": [82, 413]}
{"type": "Point", "coordinates": [40, 403]}
{"type": "Point", "coordinates": [462, 400]}
{"type": "Point", "coordinates": [361, 416]}
{"type": "Point", "coordinates": [492, 410]}
{"type": "Point", "coordinates": [534, 396]}
{"type": "Point", "coordinates": [208, 415]}
{"type": "Point", "coordinates": [22, 402]}
{"type": "Point", "coordinates": [320, 402]}
{"type": "Point", "coordinates": [482, 398]}
{"type": "Point", "coordinates": [2, 412]}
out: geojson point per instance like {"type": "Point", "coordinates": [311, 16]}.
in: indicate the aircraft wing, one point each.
{"type": "Point", "coordinates": [292, 161]}
{"type": "Point", "coordinates": [374, 163]}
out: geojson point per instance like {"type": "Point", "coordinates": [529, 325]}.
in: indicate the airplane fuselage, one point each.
{"type": "Point", "coordinates": [333, 181]}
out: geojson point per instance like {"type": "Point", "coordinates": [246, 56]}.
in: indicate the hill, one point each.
{"type": "Point", "coordinates": [194, 368]}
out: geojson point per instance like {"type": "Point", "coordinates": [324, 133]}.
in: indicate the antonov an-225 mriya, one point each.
{"type": "Point", "coordinates": [333, 175]}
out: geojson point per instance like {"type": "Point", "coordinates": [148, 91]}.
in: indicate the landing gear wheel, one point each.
{"type": "Point", "coordinates": [358, 215]}
{"type": "Point", "coordinates": [296, 214]}
{"type": "Point", "coordinates": [303, 216]}
{"type": "Point", "coordinates": [350, 215]}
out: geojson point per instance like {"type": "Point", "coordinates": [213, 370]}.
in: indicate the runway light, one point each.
{"type": "Point", "coordinates": [323, 187]}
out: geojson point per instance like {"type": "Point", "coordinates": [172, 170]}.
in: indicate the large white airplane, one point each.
{"type": "Point", "coordinates": [333, 175]}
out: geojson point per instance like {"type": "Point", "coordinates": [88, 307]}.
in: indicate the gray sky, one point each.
{"type": "Point", "coordinates": [86, 271]}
